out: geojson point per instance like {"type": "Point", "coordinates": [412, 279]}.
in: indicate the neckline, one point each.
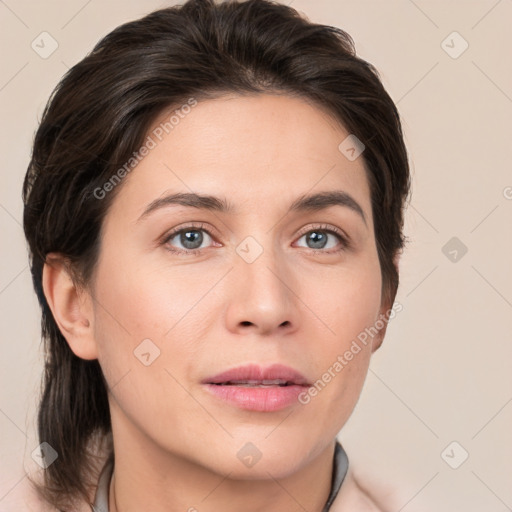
{"type": "Point", "coordinates": [340, 468]}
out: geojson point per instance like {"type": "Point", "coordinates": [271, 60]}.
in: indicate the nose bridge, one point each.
{"type": "Point", "coordinates": [261, 264]}
{"type": "Point", "coordinates": [264, 295]}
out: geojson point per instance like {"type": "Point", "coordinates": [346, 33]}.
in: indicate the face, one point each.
{"type": "Point", "coordinates": [183, 293]}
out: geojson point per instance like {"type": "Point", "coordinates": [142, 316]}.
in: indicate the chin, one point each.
{"type": "Point", "coordinates": [260, 459]}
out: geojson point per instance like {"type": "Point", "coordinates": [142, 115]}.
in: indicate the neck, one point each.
{"type": "Point", "coordinates": [145, 478]}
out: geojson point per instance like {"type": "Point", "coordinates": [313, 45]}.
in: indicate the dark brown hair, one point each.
{"type": "Point", "coordinates": [99, 114]}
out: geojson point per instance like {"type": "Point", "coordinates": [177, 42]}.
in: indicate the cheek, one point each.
{"type": "Point", "coordinates": [143, 328]}
{"type": "Point", "coordinates": [347, 300]}
{"type": "Point", "coordinates": [348, 304]}
{"type": "Point", "coordinates": [146, 301]}
{"type": "Point", "coordinates": [142, 309]}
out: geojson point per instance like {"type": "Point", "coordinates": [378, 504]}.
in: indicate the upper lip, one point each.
{"type": "Point", "coordinates": [258, 374]}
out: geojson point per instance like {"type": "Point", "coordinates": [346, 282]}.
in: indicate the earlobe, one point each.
{"type": "Point", "coordinates": [381, 324]}
{"type": "Point", "coordinates": [385, 314]}
{"type": "Point", "coordinates": [71, 307]}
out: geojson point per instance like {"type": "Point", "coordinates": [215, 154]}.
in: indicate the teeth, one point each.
{"type": "Point", "coordinates": [256, 383]}
{"type": "Point", "coordinates": [275, 382]}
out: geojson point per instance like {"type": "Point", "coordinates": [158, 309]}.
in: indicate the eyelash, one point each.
{"type": "Point", "coordinates": [345, 244]}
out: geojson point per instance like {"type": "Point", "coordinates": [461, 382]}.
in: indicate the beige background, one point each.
{"type": "Point", "coordinates": [444, 371]}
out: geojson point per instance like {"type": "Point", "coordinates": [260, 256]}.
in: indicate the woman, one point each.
{"type": "Point", "coordinates": [203, 351]}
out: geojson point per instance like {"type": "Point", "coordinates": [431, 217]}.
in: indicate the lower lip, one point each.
{"type": "Point", "coordinates": [272, 398]}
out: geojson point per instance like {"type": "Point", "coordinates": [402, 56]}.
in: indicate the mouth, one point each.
{"type": "Point", "coordinates": [255, 383]}
{"type": "Point", "coordinates": [252, 375]}
{"type": "Point", "coordinates": [254, 388]}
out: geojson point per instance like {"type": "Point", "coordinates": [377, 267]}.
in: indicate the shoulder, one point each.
{"type": "Point", "coordinates": [354, 496]}
{"type": "Point", "coordinates": [23, 497]}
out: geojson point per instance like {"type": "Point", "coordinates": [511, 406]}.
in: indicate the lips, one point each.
{"type": "Point", "coordinates": [257, 389]}
{"type": "Point", "coordinates": [277, 375]}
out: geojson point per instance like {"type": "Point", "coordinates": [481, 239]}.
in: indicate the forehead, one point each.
{"type": "Point", "coordinates": [271, 148]}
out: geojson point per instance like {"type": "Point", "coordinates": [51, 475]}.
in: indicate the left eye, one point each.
{"type": "Point", "coordinates": [190, 238]}
{"type": "Point", "coordinates": [318, 238]}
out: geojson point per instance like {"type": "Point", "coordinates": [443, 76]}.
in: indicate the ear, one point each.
{"type": "Point", "coordinates": [382, 319]}
{"type": "Point", "coordinates": [384, 312]}
{"type": "Point", "coordinates": [71, 307]}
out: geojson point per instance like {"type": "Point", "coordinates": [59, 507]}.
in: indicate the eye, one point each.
{"type": "Point", "coordinates": [323, 239]}
{"type": "Point", "coordinates": [189, 240]}
{"type": "Point", "coordinates": [190, 237]}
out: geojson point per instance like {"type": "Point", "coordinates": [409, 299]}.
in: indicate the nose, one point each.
{"type": "Point", "coordinates": [262, 296]}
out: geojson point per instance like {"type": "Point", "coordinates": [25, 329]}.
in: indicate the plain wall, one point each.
{"type": "Point", "coordinates": [443, 373]}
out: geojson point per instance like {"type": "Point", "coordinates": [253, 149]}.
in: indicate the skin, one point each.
{"type": "Point", "coordinates": [175, 444]}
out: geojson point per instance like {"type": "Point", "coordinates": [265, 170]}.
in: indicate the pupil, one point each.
{"type": "Point", "coordinates": [188, 241]}
{"type": "Point", "coordinates": [319, 239]}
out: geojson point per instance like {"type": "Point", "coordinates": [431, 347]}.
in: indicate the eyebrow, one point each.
{"type": "Point", "coordinates": [312, 202]}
